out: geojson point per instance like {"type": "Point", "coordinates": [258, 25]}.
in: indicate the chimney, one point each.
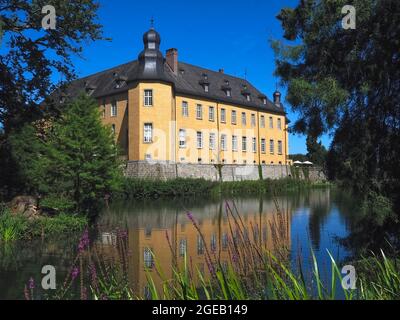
{"type": "Point", "coordinates": [277, 98]}
{"type": "Point", "coordinates": [221, 71]}
{"type": "Point", "coordinates": [172, 59]}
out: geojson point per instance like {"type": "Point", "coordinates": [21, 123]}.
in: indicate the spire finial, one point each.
{"type": "Point", "coordinates": [152, 22]}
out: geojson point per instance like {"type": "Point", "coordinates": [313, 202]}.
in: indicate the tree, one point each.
{"type": "Point", "coordinates": [316, 151]}
{"type": "Point", "coordinates": [347, 82]}
{"type": "Point", "coordinates": [30, 59]}
{"type": "Point", "coordinates": [76, 158]}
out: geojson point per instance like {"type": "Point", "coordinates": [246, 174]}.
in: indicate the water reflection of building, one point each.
{"type": "Point", "coordinates": [147, 233]}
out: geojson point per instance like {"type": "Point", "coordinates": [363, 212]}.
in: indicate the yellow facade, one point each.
{"type": "Point", "coordinates": [168, 119]}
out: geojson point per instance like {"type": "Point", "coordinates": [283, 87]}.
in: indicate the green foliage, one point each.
{"type": "Point", "coordinates": [76, 160]}
{"type": "Point", "coordinates": [12, 227]}
{"type": "Point", "coordinates": [57, 204]}
{"type": "Point", "coordinates": [139, 188]}
{"type": "Point", "coordinates": [339, 81]}
{"type": "Point", "coordinates": [17, 227]}
{"type": "Point", "coordinates": [316, 152]}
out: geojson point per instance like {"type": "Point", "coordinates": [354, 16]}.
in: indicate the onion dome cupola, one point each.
{"type": "Point", "coordinates": [151, 60]}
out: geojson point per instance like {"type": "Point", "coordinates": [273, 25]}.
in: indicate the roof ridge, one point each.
{"type": "Point", "coordinates": [107, 70]}
{"type": "Point", "coordinates": [216, 72]}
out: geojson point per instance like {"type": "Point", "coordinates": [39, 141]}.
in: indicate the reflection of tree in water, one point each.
{"type": "Point", "coordinates": [366, 232]}
{"type": "Point", "coordinates": [319, 211]}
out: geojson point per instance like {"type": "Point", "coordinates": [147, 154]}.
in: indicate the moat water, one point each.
{"type": "Point", "coordinates": [309, 221]}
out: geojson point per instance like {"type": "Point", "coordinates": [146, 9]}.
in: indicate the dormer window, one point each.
{"type": "Point", "coordinates": [246, 93]}
{"type": "Point", "coordinates": [265, 100]}
{"type": "Point", "coordinates": [120, 81]}
{"type": "Point", "coordinates": [205, 83]}
{"type": "Point", "coordinates": [89, 89]}
{"type": "Point", "coordinates": [227, 88]}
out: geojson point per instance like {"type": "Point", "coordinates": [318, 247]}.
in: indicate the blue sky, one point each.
{"type": "Point", "coordinates": [216, 34]}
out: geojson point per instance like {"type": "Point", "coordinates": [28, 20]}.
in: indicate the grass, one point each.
{"type": "Point", "coordinates": [17, 227]}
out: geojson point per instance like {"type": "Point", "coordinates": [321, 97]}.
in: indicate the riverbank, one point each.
{"type": "Point", "coordinates": [146, 188]}
{"type": "Point", "coordinates": [18, 227]}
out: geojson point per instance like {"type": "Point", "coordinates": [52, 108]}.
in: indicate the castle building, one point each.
{"type": "Point", "coordinates": [165, 110]}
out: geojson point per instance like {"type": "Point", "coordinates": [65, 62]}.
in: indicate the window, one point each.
{"type": "Point", "coordinates": [262, 122]}
{"type": "Point", "coordinates": [212, 141]}
{"type": "Point", "coordinates": [271, 146]}
{"type": "Point", "coordinates": [103, 110]}
{"type": "Point", "coordinates": [244, 144]}
{"type": "Point", "coordinates": [271, 122]}
{"type": "Point", "coordinates": [280, 149]}
{"type": "Point", "coordinates": [234, 143]}
{"type": "Point", "coordinates": [279, 123]}
{"type": "Point", "coordinates": [185, 109]}
{"type": "Point", "coordinates": [223, 142]}
{"type": "Point", "coordinates": [233, 117]}
{"type": "Point", "coordinates": [213, 243]}
{"type": "Point", "coordinates": [254, 145]}
{"type": "Point", "coordinates": [229, 93]}
{"type": "Point", "coordinates": [148, 258]}
{"type": "Point", "coordinates": [244, 120]}
{"type": "Point", "coordinates": [182, 247]}
{"type": "Point", "coordinates": [223, 115]}
{"type": "Point", "coordinates": [113, 128]}
{"type": "Point", "coordinates": [199, 112]}
{"type": "Point", "coordinates": [248, 97]}
{"type": "Point", "coordinates": [211, 113]}
{"type": "Point", "coordinates": [148, 132]}
{"type": "Point", "coordinates": [200, 245]}
{"type": "Point", "coordinates": [182, 138]}
{"type": "Point", "coordinates": [265, 101]}
{"type": "Point", "coordinates": [225, 241]}
{"type": "Point", "coordinates": [199, 140]}
{"type": "Point", "coordinates": [114, 109]}
{"type": "Point", "coordinates": [206, 88]}
{"type": "Point", "coordinates": [263, 146]}
{"type": "Point", "coordinates": [148, 98]}
{"type": "Point", "coordinates": [253, 120]}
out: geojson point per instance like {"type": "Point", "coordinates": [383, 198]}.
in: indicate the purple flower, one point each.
{"type": "Point", "coordinates": [84, 241]}
{"type": "Point", "coordinates": [191, 218]}
{"type": "Point", "coordinates": [31, 284]}
{"type": "Point", "coordinates": [75, 273]}
{"type": "Point", "coordinates": [93, 275]}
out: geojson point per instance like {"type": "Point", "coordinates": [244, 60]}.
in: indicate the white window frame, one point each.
{"type": "Point", "coordinates": [234, 143]}
{"type": "Point", "coordinates": [114, 109]}
{"type": "Point", "coordinates": [244, 119]}
{"type": "Point", "coordinates": [234, 117]}
{"type": "Point", "coordinates": [271, 122]}
{"type": "Point", "coordinates": [185, 109]}
{"type": "Point", "coordinates": [223, 115]}
{"type": "Point", "coordinates": [244, 144]}
{"type": "Point", "coordinates": [271, 146]}
{"type": "Point", "coordinates": [199, 112]}
{"type": "Point", "coordinates": [182, 138]}
{"type": "Point", "coordinates": [229, 93]}
{"type": "Point", "coordinates": [199, 140]}
{"type": "Point", "coordinates": [253, 120]}
{"type": "Point", "coordinates": [148, 260]}
{"type": "Point", "coordinates": [254, 144]}
{"type": "Point", "coordinates": [182, 247]}
{"type": "Point", "coordinates": [148, 99]}
{"type": "Point", "coordinates": [212, 141]}
{"type": "Point", "coordinates": [263, 146]}
{"type": "Point", "coordinates": [262, 120]}
{"type": "Point", "coordinates": [279, 124]}
{"type": "Point", "coordinates": [223, 142]}
{"type": "Point", "coordinates": [148, 127]}
{"type": "Point", "coordinates": [280, 147]}
{"type": "Point", "coordinates": [211, 113]}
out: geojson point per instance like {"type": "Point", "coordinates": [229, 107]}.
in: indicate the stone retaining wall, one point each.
{"type": "Point", "coordinates": [166, 171]}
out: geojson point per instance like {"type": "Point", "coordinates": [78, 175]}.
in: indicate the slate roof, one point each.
{"type": "Point", "coordinates": [188, 80]}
